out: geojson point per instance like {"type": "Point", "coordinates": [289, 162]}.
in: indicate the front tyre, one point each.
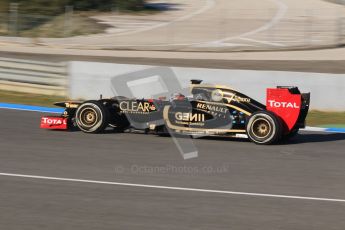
{"type": "Point", "coordinates": [264, 128]}
{"type": "Point", "coordinates": [92, 117]}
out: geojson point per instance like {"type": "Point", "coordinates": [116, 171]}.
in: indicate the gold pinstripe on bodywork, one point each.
{"type": "Point", "coordinates": [171, 126]}
{"type": "Point", "coordinates": [229, 99]}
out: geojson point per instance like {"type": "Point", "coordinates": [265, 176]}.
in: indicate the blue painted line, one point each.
{"type": "Point", "coordinates": [337, 130]}
{"type": "Point", "coordinates": [31, 108]}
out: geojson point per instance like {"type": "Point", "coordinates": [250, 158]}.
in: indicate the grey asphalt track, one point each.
{"type": "Point", "coordinates": [311, 165]}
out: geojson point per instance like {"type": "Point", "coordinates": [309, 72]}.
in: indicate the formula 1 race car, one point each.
{"type": "Point", "coordinates": [211, 110]}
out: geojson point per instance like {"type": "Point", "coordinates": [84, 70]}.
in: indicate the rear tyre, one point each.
{"type": "Point", "coordinates": [92, 117]}
{"type": "Point", "coordinates": [264, 128]}
{"type": "Point", "coordinates": [290, 135]}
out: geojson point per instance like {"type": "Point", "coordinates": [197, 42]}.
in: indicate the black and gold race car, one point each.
{"type": "Point", "coordinates": [211, 110]}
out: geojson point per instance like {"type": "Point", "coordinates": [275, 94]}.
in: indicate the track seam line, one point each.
{"type": "Point", "coordinates": [173, 188]}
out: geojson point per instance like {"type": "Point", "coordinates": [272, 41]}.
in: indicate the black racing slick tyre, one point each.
{"type": "Point", "coordinates": [92, 117]}
{"type": "Point", "coordinates": [264, 128]}
{"type": "Point", "coordinates": [290, 135]}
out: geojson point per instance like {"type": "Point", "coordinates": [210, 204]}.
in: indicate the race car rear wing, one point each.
{"type": "Point", "coordinates": [289, 104]}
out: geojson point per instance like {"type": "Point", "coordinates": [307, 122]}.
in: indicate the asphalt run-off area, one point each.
{"type": "Point", "coordinates": [134, 181]}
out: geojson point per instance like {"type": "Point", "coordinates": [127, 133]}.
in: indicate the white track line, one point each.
{"type": "Point", "coordinates": [282, 8]}
{"type": "Point", "coordinates": [262, 42]}
{"type": "Point", "coordinates": [173, 188]}
{"type": "Point", "coordinates": [209, 4]}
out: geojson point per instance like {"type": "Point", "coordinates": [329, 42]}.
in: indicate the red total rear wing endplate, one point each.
{"type": "Point", "coordinates": [288, 104]}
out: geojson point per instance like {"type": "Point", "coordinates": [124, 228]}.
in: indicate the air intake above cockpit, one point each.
{"type": "Point", "coordinates": [195, 81]}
